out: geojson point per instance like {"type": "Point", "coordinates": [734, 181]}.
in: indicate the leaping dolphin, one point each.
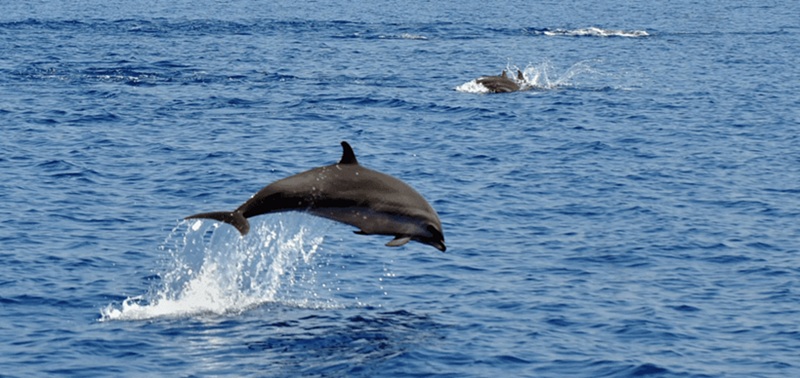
{"type": "Point", "coordinates": [501, 84]}
{"type": "Point", "coordinates": [346, 192]}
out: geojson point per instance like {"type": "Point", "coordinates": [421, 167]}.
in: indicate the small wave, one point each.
{"type": "Point", "coordinates": [369, 35]}
{"type": "Point", "coordinates": [411, 36]}
{"type": "Point", "coordinates": [595, 32]}
{"type": "Point", "coordinates": [211, 270]}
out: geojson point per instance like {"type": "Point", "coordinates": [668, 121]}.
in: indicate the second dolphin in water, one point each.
{"type": "Point", "coordinates": [502, 84]}
{"type": "Point", "coordinates": [346, 192]}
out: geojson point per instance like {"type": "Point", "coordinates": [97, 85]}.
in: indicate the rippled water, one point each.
{"type": "Point", "coordinates": [634, 214]}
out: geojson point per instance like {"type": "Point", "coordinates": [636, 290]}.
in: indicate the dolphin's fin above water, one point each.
{"type": "Point", "coordinates": [348, 156]}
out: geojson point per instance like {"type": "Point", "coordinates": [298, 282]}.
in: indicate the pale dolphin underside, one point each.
{"type": "Point", "coordinates": [346, 192]}
{"type": "Point", "coordinates": [501, 84]}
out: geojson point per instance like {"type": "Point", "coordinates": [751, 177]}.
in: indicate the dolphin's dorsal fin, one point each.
{"type": "Point", "coordinates": [520, 76]}
{"type": "Point", "coordinates": [503, 74]}
{"type": "Point", "coordinates": [348, 156]}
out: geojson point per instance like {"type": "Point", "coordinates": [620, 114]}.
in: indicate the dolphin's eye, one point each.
{"type": "Point", "coordinates": [434, 232]}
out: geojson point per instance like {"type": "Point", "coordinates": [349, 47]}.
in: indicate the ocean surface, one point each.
{"type": "Point", "coordinates": [636, 213]}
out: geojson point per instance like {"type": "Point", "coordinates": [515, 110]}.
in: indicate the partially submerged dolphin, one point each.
{"type": "Point", "coordinates": [502, 84]}
{"type": "Point", "coordinates": [346, 192]}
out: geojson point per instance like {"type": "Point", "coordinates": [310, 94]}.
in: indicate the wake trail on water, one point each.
{"type": "Point", "coordinates": [537, 77]}
{"type": "Point", "coordinates": [211, 269]}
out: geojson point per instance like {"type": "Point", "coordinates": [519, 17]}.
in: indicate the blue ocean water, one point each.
{"type": "Point", "coordinates": [637, 213]}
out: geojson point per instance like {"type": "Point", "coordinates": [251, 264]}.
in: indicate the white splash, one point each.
{"type": "Point", "coordinates": [543, 76]}
{"type": "Point", "coordinates": [472, 86]}
{"type": "Point", "coordinates": [211, 269]}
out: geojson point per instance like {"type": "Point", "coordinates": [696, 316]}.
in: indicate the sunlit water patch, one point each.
{"type": "Point", "coordinates": [211, 269]}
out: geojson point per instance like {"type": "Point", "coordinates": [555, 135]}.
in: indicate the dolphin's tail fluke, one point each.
{"type": "Point", "coordinates": [235, 219]}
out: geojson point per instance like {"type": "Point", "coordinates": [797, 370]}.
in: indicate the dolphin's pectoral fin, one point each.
{"type": "Point", "coordinates": [398, 241]}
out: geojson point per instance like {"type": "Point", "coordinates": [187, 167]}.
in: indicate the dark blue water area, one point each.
{"type": "Point", "coordinates": [635, 213]}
